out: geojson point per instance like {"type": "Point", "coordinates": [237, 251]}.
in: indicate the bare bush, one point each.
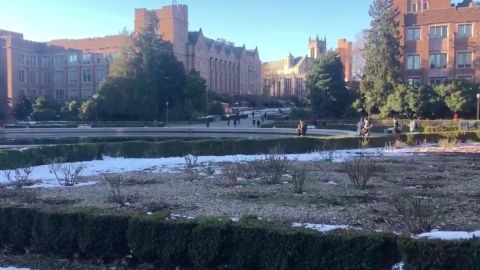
{"type": "Point", "coordinates": [115, 182]}
{"type": "Point", "coordinates": [360, 170]}
{"type": "Point", "coordinates": [231, 172]}
{"type": "Point", "coordinates": [327, 154]}
{"type": "Point", "coordinates": [18, 177]}
{"type": "Point", "coordinates": [192, 168]}
{"type": "Point", "coordinates": [418, 213]}
{"type": "Point", "coordinates": [448, 143]}
{"type": "Point", "coordinates": [274, 166]}
{"type": "Point", "coordinates": [364, 142]}
{"type": "Point", "coordinates": [67, 174]}
{"type": "Point", "coordinates": [209, 170]}
{"type": "Point", "coordinates": [299, 178]}
{"type": "Point", "coordinates": [251, 170]}
{"type": "Point", "coordinates": [398, 144]}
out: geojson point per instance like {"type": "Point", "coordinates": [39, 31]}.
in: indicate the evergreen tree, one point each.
{"type": "Point", "coordinates": [195, 95]}
{"type": "Point", "coordinates": [328, 95]}
{"type": "Point", "coordinates": [382, 52]}
{"type": "Point", "coordinates": [23, 109]}
{"type": "Point", "coordinates": [458, 96]}
{"type": "Point", "coordinates": [45, 109]}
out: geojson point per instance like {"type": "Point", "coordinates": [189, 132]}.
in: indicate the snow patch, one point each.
{"type": "Point", "coordinates": [320, 227]}
{"type": "Point", "coordinates": [13, 268]}
{"type": "Point", "coordinates": [449, 235]}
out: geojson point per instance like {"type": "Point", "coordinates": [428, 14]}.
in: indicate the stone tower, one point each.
{"type": "Point", "coordinates": [172, 26]}
{"type": "Point", "coordinates": [316, 47]}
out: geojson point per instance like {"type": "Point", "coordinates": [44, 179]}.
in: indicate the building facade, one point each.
{"type": "Point", "coordinates": [440, 40]}
{"type": "Point", "coordinates": [40, 69]}
{"type": "Point", "coordinates": [226, 68]}
{"type": "Point", "coordinates": [287, 77]}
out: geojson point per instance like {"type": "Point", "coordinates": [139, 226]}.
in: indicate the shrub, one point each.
{"type": "Point", "coordinates": [274, 166]}
{"type": "Point", "coordinates": [231, 172]}
{"type": "Point", "coordinates": [192, 168]}
{"type": "Point", "coordinates": [251, 170]}
{"type": "Point", "coordinates": [418, 213]}
{"type": "Point", "coordinates": [67, 174]}
{"type": "Point", "coordinates": [359, 170]}
{"type": "Point", "coordinates": [18, 177]}
{"type": "Point", "coordinates": [115, 183]}
{"type": "Point", "coordinates": [448, 143]}
{"type": "Point", "coordinates": [299, 178]}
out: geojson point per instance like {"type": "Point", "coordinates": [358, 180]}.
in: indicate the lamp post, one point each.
{"type": "Point", "coordinates": [478, 106]}
{"type": "Point", "coordinates": [167, 113]}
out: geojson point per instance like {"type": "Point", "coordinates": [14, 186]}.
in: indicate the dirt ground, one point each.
{"type": "Point", "coordinates": [451, 182]}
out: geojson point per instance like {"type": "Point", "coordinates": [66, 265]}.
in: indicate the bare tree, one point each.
{"type": "Point", "coordinates": [358, 60]}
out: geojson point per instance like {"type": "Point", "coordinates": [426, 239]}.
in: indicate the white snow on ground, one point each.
{"type": "Point", "coordinates": [449, 235]}
{"type": "Point", "coordinates": [13, 268]}
{"type": "Point", "coordinates": [320, 227]}
{"type": "Point", "coordinates": [123, 165]}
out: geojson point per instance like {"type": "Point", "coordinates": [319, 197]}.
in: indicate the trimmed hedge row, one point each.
{"type": "Point", "coordinates": [212, 243]}
{"type": "Point", "coordinates": [141, 149]}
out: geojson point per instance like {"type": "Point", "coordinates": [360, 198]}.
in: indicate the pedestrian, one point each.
{"type": "Point", "coordinates": [360, 125]}
{"type": "Point", "coordinates": [367, 125]}
{"type": "Point", "coordinates": [397, 128]}
{"type": "Point", "coordinates": [253, 114]}
{"type": "Point", "coordinates": [300, 128]}
{"type": "Point", "coordinates": [258, 123]}
{"type": "Point", "coordinates": [235, 122]}
{"type": "Point", "coordinates": [455, 118]}
{"type": "Point", "coordinates": [208, 122]}
{"type": "Point", "coordinates": [228, 120]}
{"type": "Point", "coordinates": [253, 122]}
{"type": "Point", "coordinates": [413, 125]}
{"type": "Point", "coordinates": [265, 115]}
{"type": "Point", "coordinates": [304, 129]}
{"type": "Point", "coordinates": [238, 118]}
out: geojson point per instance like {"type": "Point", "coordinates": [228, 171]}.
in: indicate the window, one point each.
{"type": "Point", "coordinates": [74, 93]}
{"type": "Point", "coordinates": [21, 59]}
{"type": "Point", "coordinates": [45, 77]}
{"type": "Point", "coordinates": [288, 86]}
{"type": "Point", "coordinates": [87, 75]}
{"type": "Point", "coordinates": [45, 61]}
{"type": "Point", "coordinates": [58, 78]}
{"type": "Point", "coordinates": [72, 76]}
{"type": "Point", "coordinates": [464, 60]}
{"type": "Point", "coordinates": [32, 60]}
{"type": "Point", "coordinates": [425, 5]}
{"type": "Point", "coordinates": [59, 94]}
{"type": "Point", "coordinates": [59, 60]}
{"type": "Point", "coordinates": [438, 60]}
{"type": "Point", "coordinates": [437, 80]}
{"type": "Point", "coordinates": [86, 59]}
{"type": "Point", "coordinates": [413, 34]}
{"type": "Point", "coordinates": [413, 62]}
{"type": "Point", "coordinates": [439, 31]}
{"type": "Point", "coordinates": [21, 75]}
{"type": "Point", "coordinates": [465, 30]}
{"type": "Point", "coordinates": [73, 59]}
{"type": "Point", "coordinates": [414, 81]}
{"type": "Point", "coordinates": [99, 74]}
{"type": "Point", "coordinates": [87, 93]}
{"type": "Point", "coordinates": [32, 76]}
{"type": "Point", "coordinates": [465, 78]}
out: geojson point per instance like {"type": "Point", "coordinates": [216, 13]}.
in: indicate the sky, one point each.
{"type": "Point", "coordinates": [276, 27]}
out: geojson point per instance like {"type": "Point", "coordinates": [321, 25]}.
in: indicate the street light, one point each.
{"type": "Point", "coordinates": [167, 113]}
{"type": "Point", "coordinates": [478, 106]}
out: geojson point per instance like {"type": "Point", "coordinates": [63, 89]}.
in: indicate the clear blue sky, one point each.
{"type": "Point", "coordinates": [276, 27]}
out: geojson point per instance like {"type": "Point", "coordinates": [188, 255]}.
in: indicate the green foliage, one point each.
{"type": "Point", "coordinates": [216, 109]}
{"type": "Point", "coordinates": [458, 96]}
{"type": "Point", "coordinates": [88, 110]}
{"type": "Point", "coordinates": [328, 95]}
{"type": "Point", "coordinates": [70, 110]}
{"type": "Point", "coordinates": [382, 52]}
{"type": "Point", "coordinates": [195, 95]}
{"type": "Point", "coordinates": [23, 109]}
{"type": "Point", "coordinates": [45, 109]}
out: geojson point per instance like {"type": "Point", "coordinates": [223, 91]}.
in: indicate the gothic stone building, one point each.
{"type": "Point", "coordinates": [226, 68]}
{"type": "Point", "coordinates": [440, 40]}
{"type": "Point", "coordinates": [287, 77]}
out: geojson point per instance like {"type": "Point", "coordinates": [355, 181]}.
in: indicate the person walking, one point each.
{"type": "Point", "coordinates": [258, 123]}
{"type": "Point", "coordinates": [300, 128]}
{"type": "Point", "coordinates": [228, 120]}
{"type": "Point", "coordinates": [360, 125]}
{"type": "Point", "coordinates": [253, 122]}
{"type": "Point", "coordinates": [208, 122]}
{"type": "Point", "coordinates": [413, 125]}
{"type": "Point", "coordinates": [235, 122]}
{"type": "Point", "coordinates": [366, 128]}
{"type": "Point", "coordinates": [397, 128]}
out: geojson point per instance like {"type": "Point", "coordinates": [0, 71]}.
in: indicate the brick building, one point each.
{"type": "Point", "coordinates": [226, 68]}
{"type": "Point", "coordinates": [440, 40]}
{"type": "Point", "coordinates": [287, 77]}
{"type": "Point", "coordinates": [41, 69]}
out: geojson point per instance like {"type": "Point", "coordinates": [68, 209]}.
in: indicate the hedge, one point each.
{"type": "Point", "coordinates": [173, 148]}
{"type": "Point", "coordinates": [212, 243]}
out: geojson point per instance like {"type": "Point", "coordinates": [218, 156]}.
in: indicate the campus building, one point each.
{"type": "Point", "coordinates": [228, 69]}
{"type": "Point", "coordinates": [287, 77]}
{"type": "Point", "coordinates": [40, 69]}
{"type": "Point", "coordinates": [440, 40]}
